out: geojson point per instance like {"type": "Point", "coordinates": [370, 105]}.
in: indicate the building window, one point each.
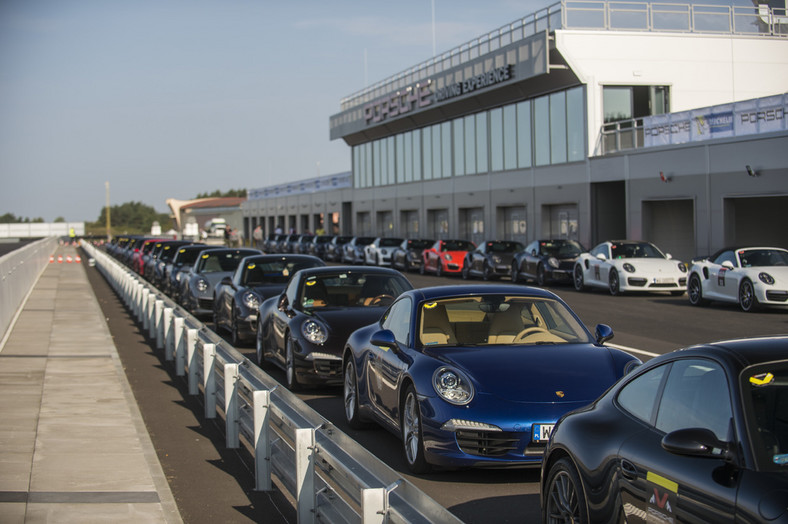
{"type": "Point", "coordinates": [481, 143]}
{"type": "Point", "coordinates": [427, 149]}
{"type": "Point", "coordinates": [459, 147]}
{"type": "Point", "coordinates": [417, 154]}
{"type": "Point", "coordinates": [400, 141]}
{"type": "Point", "coordinates": [470, 145]}
{"type": "Point", "coordinates": [446, 149]}
{"type": "Point", "coordinates": [558, 127]}
{"type": "Point", "coordinates": [524, 143]}
{"type": "Point", "coordinates": [408, 156]}
{"type": "Point", "coordinates": [392, 160]}
{"type": "Point", "coordinates": [542, 131]}
{"type": "Point", "coordinates": [496, 139]}
{"type": "Point", "coordinates": [510, 136]}
{"type": "Point", "coordinates": [575, 125]}
{"type": "Point", "coordinates": [377, 175]}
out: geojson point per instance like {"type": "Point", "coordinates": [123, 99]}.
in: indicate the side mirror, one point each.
{"type": "Point", "coordinates": [283, 302]}
{"type": "Point", "coordinates": [603, 333]}
{"type": "Point", "coordinates": [384, 339]}
{"type": "Point", "coordinates": [227, 281]}
{"type": "Point", "coordinates": [728, 264]}
{"type": "Point", "coordinates": [601, 256]}
{"type": "Point", "coordinates": [696, 442]}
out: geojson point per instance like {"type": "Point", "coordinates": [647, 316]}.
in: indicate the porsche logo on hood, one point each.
{"type": "Point", "coordinates": [559, 394]}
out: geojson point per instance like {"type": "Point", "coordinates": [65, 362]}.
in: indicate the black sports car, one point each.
{"type": "Point", "coordinates": [304, 329]}
{"type": "Point", "coordinates": [335, 249]}
{"type": "Point", "coordinates": [237, 298]}
{"type": "Point", "coordinates": [696, 435]}
{"type": "Point", "coordinates": [408, 256]}
{"type": "Point", "coordinates": [546, 261]}
{"type": "Point", "coordinates": [490, 260]}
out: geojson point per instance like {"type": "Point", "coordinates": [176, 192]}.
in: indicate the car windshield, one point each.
{"type": "Point", "coordinates": [765, 398]}
{"type": "Point", "coordinates": [496, 319]}
{"type": "Point", "coordinates": [390, 242]}
{"type": "Point", "coordinates": [272, 272]}
{"type": "Point", "coordinates": [363, 241]}
{"type": "Point", "coordinates": [419, 244]}
{"type": "Point", "coordinates": [220, 262]}
{"type": "Point", "coordinates": [561, 248]}
{"type": "Point", "coordinates": [351, 289]}
{"type": "Point", "coordinates": [635, 250]}
{"type": "Point", "coordinates": [504, 247]}
{"type": "Point", "coordinates": [763, 257]}
{"type": "Point", "coordinates": [458, 245]}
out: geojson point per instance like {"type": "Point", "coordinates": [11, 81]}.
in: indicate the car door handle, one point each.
{"type": "Point", "coordinates": [628, 470]}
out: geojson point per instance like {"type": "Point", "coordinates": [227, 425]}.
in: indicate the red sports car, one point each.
{"type": "Point", "coordinates": [445, 256]}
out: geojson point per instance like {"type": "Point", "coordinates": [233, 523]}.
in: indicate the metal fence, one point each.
{"type": "Point", "coordinates": [330, 476]}
{"type": "Point", "coordinates": [19, 271]}
{"type": "Point", "coordinates": [41, 229]}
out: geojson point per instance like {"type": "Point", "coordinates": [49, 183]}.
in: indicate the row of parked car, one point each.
{"type": "Point", "coordinates": [503, 375]}
{"type": "Point", "coordinates": [750, 276]}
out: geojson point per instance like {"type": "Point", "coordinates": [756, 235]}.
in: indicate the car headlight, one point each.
{"type": "Point", "coordinates": [682, 267]}
{"type": "Point", "coordinates": [202, 285]}
{"type": "Point", "coordinates": [629, 268]}
{"type": "Point", "coordinates": [314, 332]}
{"type": "Point", "coordinates": [766, 278]}
{"type": "Point", "coordinates": [553, 262]}
{"type": "Point", "coordinates": [452, 386]}
{"type": "Point", "coordinates": [447, 257]}
{"type": "Point", "coordinates": [178, 277]}
{"type": "Point", "coordinates": [250, 300]}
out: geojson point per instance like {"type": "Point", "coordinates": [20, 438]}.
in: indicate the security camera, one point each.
{"type": "Point", "coordinates": [750, 171]}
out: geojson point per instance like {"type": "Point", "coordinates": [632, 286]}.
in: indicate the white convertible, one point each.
{"type": "Point", "coordinates": [749, 276]}
{"type": "Point", "coordinates": [629, 265]}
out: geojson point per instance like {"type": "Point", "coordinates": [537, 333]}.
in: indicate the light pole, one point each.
{"type": "Point", "coordinates": [109, 223]}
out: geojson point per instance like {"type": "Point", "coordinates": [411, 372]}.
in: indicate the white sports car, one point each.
{"type": "Point", "coordinates": [629, 265]}
{"type": "Point", "coordinates": [749, 276]}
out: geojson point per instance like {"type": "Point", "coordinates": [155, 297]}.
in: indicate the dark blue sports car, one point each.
{"type": "Point", "coordinates": [697, 435]}
{"type": "Point", "coordinates": [476, 375]}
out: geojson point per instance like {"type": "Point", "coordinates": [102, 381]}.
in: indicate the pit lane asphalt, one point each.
{"type": "Point", "coordinates": [210, 483]}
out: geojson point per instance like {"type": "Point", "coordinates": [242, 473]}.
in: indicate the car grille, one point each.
{"type": "Point", "coordinates": [777, 296]}
{"type": "Point", "coordinates": [487, 443]}
{"type": "Point", "coordinates": [328, 367]}
{"type": "Point", "coordinates": [206, 303]}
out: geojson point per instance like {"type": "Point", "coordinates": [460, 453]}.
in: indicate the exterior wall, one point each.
{"type": "Point", "coordinates": [742, 68]}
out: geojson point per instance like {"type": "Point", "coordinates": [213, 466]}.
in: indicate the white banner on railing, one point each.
{"type": "Point", "coordinates": [761, 115]}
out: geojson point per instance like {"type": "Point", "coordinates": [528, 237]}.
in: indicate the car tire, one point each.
{"type": "Point", "coordinates": [614, 284]}
{"type": "Point", "coordinates": [487, 273]}
{"type": "Point", "coordinates": [235, 337]}
{"type": "Point", "coordinates": [748, 302]}
{"type": "Point", "coordinates": [291, 377]}
{"type": "Point", "coordinates": [422, 268]}
{"type": "Point", "coordinates": [695, 291]}
{"type": "Point", "coordinates": [412, 436]}
{"type": "Point", "coordinates": [259, 345]}
{"type": "Point", "coordinates": [541, 278]}
{"type": "Point", "coordinates": [564, 500]}
{"type": "Point", "coordinates": [578, 278]}
{"type": "Point", "coordinates": [439, 269]}
{"type": "Point", "coordinates": [350, 396]}
{"type": "Point", "coordinates": [466, 271]}
{"type": "Point", "coordinates": [514, 274]}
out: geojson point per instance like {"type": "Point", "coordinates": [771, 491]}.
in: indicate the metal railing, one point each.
{"type": "Point", "coordinates": [600, 15]}
{"type": "Point", "coordinates": [330, 476]}
{"type": "Point", "coordinates": [19, 271]}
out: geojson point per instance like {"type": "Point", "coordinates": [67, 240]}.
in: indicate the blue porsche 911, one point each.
{"type": "Point", "coordinates": [476, 375]}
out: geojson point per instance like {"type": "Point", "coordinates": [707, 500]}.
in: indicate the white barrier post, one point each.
{"type": "Point", "coordinates": [191, 358]}
{"type": "Point", "coordinates": [209, 379]}
{"type": "Point", "coordinates": [262, 440]}
{"type": "Point", "coordinates": [158, 324]}
{"type": "Point", "coordinates": [166, 321]}
{"type": "Point", "coordinates": [150, 312]}
{"type": "Point", "coordinates": [305, 475]}
{"type": "Point", "coordinates": [231, 422]}
{"type": "Point", "coordinates": [373, 505]}
{"type": "Point", "coordinates": [144, 308]}
{"type": "Point", "coordinates": [179, 343]}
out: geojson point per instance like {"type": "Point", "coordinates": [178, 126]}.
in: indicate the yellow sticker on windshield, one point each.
{"type": "Point", "coordinates": [311, 282]}
{"type": "Point", "coordinates": [206, 256]}
{"type": "Point", "coordinates": [762, 380]}
{"type": "Point", "coordinates": [430, 305]}
{"type": "Point", "coordinates": [251, 266]}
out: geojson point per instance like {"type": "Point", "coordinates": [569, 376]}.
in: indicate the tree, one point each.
{"type": "Point", "coordinates": [219, 194]}
{"type": "Point", "coordinates": [133, 216]}
{"type": "Point", "coordinates": [59, 220]}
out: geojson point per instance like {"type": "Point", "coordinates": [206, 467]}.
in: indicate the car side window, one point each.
{"type": "Point", "coordinates": [726, 256]}
{"type": "Point", "coordinates": [696, 396]}
{"type": "Point", "coordinates": [639, 397]}
{"type": "Point", "coordinates": [602, 248]}
{"type": "Point", "coordinates": [398, 320]}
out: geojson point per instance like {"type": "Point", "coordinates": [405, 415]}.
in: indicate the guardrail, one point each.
{"type": "Point", "coordinates": [19, 271]}
{"type": "Point", "coordinates": [330, 476]}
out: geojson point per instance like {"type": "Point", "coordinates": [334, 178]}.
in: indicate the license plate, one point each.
{"type": "Point", "coordinates": [542, 432]}
{"type": "Point", "coordinates": [663, 280]}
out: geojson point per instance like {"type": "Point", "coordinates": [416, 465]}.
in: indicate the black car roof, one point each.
{"type": "Point", "coordinates": [748, 351]}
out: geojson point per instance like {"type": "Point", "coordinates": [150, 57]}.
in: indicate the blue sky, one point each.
{"type": "Point", "coordinates": [171, 98]}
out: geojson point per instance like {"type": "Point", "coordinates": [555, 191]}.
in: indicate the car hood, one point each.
{"type": "Point", "coordinates": [651, 265]}
{"type": "Point", "coordinates": [267, 290]}
{"type": "Point", "coordinates": [215, 278]}
{"type": "Point", "coordinates": [530, 374]}
{"type": "Point", "coordinates": [342, 322]}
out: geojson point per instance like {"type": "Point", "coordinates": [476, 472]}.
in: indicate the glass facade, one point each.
{"type": "Point", "coordinates": [547, 130]}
